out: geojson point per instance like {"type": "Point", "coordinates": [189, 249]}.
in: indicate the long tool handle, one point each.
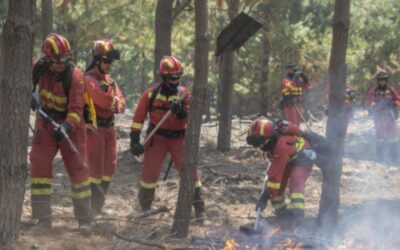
{"type": "Point", "coordinates": [262, 191]}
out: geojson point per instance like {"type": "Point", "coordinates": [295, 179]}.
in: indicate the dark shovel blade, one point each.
{"type": "Point", "coordinates": [249, 230]}
{"type": "Point", "coordinates": [236, 33]}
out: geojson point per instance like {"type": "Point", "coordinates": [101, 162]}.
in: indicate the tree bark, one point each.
{"type": "Point", "coordinates": [47, 18]}
{"type": "Point", "coordinates": [187, 176]}
{"type": "Point", "coordinates": [265, 67]}
{"type": "Point", "coordinates": [226, 91]}
{"type": "Point", "coordinates": [335, 132]}
{"type": "Point", "coordinates": [15, 88]}
{"type": "Point", "coordinates": [163, 30]}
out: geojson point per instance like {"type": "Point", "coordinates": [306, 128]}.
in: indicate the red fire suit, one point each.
{"type": "Point", "coordinates": [168, 139]}
{"type": "Point", "coordinates": [292, 97]}
{"type": "Point", "coordinates": [60, 107]}
{"type": "Point", "coordinates": [288, 165]}
{"type": "Point", "coordinates": [383, 103]}
{"type": "Point", "coordinates": [102, 144]}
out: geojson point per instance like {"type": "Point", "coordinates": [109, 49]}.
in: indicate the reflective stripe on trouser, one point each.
{"type": "Point", "coordinates": [296, 205]}
{"type": "Point", "coordinates": [40, 198]}
{"type": "Point", "coordinates": [102, 157]}
{"type": "Point", "coordinates": [44, 149]}
{"type": "Point", "coordinates": [102, 154]}
{"type": "Point", "coordinates": [278, 203]}
{"type": "Point", "coordinates": [81, 196]}
{"type": "Point", "coordinates": [298, 177]}
{"type": "Point", "coordinates": [291, 113]}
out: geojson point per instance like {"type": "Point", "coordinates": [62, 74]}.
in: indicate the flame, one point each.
{"type": "Point", "coordinates": [231, 245]}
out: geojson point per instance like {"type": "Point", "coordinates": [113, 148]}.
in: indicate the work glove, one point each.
{"type": "Point", "coordinates": [177, 108]}
{"type": "Point", "coordinates": [310, 154]}
{"type": "Point", "coordinates": [136, 148]}
{"type": "Point", "coordinates": [62, 131]}
{"type": "Point", "coordinates": [33, 104]}
{"type": "Point", "coordinates": [262, 202]}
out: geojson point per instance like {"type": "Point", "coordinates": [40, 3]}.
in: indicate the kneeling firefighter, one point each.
{"type": "Point", "coordinates": [291, 161]}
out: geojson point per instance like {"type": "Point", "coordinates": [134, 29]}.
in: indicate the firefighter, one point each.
{"type": "Point", "coordinates": [350, 99]}
{"type": "Point", "coordinates": [292, 87]}
{"type": "Point", "coordinates": [291, 161]}
{"type": "Point", "coordinates": [108, 100]}
{"type": "Point", "coordinates": [169, 138]}
{"type": "Point", "coordinates": [65, 106]}
{"type": "Point", "coordinates": [384, 102]}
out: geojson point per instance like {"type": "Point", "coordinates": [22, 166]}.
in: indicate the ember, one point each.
{"type": "Point", "coordinates": [231, 245]}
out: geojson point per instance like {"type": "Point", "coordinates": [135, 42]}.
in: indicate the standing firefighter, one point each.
{"type": "Point", "coordinates": [384, 102]}
{"type": "Point", "coordinates": [349, 101]}
{"type": "Point", "coordinates": [108, 100]}
{"type": "Point", "coordinates": [61, 87]}
{"type": "Point", "coordinates": [292, 87]}
{"type": "Point", "coordinates": [169, 138]}
{"type": "Point", "coordinates": [291, 161]}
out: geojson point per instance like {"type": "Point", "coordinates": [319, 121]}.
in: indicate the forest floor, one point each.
{"type": "Point", "coordinates": [369, 215]}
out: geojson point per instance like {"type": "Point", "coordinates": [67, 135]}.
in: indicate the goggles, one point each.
{"type": "Point", "coordinates": [61, 59]}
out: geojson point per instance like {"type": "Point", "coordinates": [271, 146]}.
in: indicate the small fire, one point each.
{"type": "Point", "coordinates": [231, 245]}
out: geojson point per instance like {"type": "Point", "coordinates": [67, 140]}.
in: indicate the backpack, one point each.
{"type": "Point", "coordinates": [320, 145]}
{"type": "Point", "coordinates": [40, 68]}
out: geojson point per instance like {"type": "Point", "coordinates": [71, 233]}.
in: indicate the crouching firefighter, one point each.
{"type": "Point", "coordinates": [157, 101]}
{"type": "Point", "coordinates": [59, 126]}
{"type": "Point", "coordinates": [108, 100]}
{"type": "Point", "coordinates": [291, 161]}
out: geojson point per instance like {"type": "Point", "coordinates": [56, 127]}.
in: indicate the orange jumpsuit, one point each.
{"type": "Point", "coordinates": [168, 139]}
{"type": "Point", "coordinates": [288, 165]}
{"type": "Point", "coordinates": [292, 98]}
{"type": "Point", "coordinates": [102, 144]}
{"type": "Point", "coordinates": [60, 107]}
{"type": "Point", "coordinates": [383, 102]}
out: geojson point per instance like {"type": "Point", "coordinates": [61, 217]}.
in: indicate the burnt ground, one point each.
{"type": "Point", "coordinates": [369, 211]}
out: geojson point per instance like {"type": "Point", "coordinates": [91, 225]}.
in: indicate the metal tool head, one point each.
{"type": "Point", "coordinates": [236, 33]}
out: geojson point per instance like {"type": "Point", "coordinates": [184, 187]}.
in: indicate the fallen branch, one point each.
{"type": "Point", "coordinates": [149, 213]}
{"type": "Point", "coordinates": [141, 241]}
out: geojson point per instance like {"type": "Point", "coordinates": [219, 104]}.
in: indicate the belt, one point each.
{"type": "Point", "coordinates": [168, 133]}
{"type": "Point", "coordinates": [105, 122]}
{"type": "Point", "coordinates": [54, 114]}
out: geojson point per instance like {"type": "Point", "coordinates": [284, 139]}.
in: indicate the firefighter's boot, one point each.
{"type": "Point", "coordinates": [41, 209]}
{"type": "Point", "coordinates": [146, 197]}
{"type": "Point", "coordinates": [42, 225]}
{"type": "Point", "coordinates": [199, 206]}
{"type": "Point", "coordinates": [98, 198]}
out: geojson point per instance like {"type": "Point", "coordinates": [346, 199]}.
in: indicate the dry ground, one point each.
{"type": "Point", "coordinates": [369, 212]}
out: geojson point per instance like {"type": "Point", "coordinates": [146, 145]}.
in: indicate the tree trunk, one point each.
{"type": "Point", "coordinates": [163, 29]}
{"type": "Point", "coordinates": [47, 18]}
{"type": "Point", "coordinates": [264, 68]}
{"type": "Point", "coordinates": [226, 91]}
{"type": "Point", "coordinates": [335, 131]}
{"type": "Point", "coordinates": [187, 176]}
{"type": "Point", "coordinates": [15, 86]}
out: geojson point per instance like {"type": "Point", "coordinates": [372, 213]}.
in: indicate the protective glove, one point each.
{"type": "Point", "coordinates": [262, 202]}
{"type": "Point", "coordinates": [176, 106]}
{"type": "Point", "coordinates": [62, 131]}
{"type": "Point", "coordinates": [310, 154]}
{"type": "Point", "coordinates": [255, 140]}
{"type": "Point", "coordinates": [136, 148]}
{"type": "Point", "coordinates": [33, 104]}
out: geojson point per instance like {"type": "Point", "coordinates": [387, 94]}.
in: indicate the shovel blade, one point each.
{"type": "Point", "coordinates": [236, 33]}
